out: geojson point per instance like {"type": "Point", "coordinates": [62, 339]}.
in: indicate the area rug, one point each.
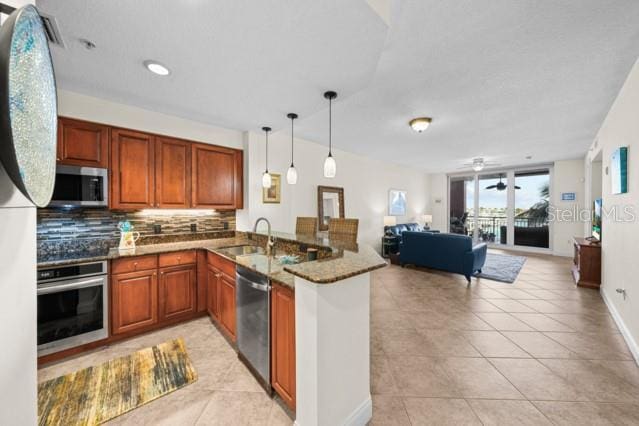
{"type": "Point", "coordinates": [502, 267]}
{"type": "Point", "coordinates": [99, 393]}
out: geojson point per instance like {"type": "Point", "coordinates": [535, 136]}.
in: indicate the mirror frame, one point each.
{"type": "Point", "coordinates": [320, 205]}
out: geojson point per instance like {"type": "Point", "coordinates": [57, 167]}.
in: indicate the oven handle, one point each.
{"type": "Point", "coordinates": [56, 288]}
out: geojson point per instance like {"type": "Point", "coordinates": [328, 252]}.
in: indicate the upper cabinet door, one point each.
{"type": "Point", "coordinates": [82, 144]}
{"type": "Point", "coordinates": [132, 170]}
{"type": "Point", "coordinates": [173, 173]}
{"type": "Point", "coordinates": [216, 177]}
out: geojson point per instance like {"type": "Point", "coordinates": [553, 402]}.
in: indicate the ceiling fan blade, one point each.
{"type": "Point", "coordinates": [491, 187]}
{"type": "Point", "coordinates": [517, 187]}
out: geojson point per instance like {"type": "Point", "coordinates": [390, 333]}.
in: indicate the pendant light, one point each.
{"type": "Point", "coordinates": [291, 174]}
{"type": "Point", "coordinates": [330, 167]}
{"type": "Point", "coordinates": [266, 177]}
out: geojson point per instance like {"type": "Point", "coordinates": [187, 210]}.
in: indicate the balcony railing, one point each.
{"type": "Point", "coordinates": [492, 229]}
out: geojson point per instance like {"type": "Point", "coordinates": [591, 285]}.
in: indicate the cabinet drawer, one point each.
{"type": "Point", "coordinates": [224, 265]}
{"type": "Point", "coordinates": [132, 264]}
{"type": "Point", "coordinates": [178, 258]}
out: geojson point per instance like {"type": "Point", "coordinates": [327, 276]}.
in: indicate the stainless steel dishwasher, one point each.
{"type": "Point", "coordinates": [253, 324]}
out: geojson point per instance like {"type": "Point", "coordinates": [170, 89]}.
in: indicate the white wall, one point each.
{"type": "Point", "coordinates": [439, 201]}
{"type": "Point", "coordinates": [568, 176]}
{"type": "Point", "coordinates": [620, 268]}
{"type": "Point", "coordinates": [75, 105]}
{"type": "Point", "coordinates": [366, 183]}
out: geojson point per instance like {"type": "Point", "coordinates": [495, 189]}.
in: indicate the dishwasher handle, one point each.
{"type": "Point", "coordinates": [244, 278]}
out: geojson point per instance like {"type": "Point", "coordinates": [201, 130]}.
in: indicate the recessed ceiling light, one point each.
{"type": "Point", "coordinates": [528, 157]}
{"type": "Point", "coordinates": [420, 124]}
{"type": "Point", "coordinates": [156, 67]}
{"type": "Point", "coordinates": [88, 44]}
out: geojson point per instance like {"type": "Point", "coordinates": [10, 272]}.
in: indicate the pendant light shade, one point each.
{"type": "Point", "coordinates": [266, 177]}
{"type": "Point", "coordinates": [291, 174]}
{"type": "Point", "coordinates": [330, 166]}
{"type": "Point", "coordinates": [266, 180]}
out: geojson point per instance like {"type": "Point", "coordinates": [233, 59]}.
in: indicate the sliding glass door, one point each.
{"type": "Point", "coordinates": [504, 207]}
{"type": "Point", "coordinates": [532, 195]}
{"type": "Point", "coordinates": [492, 217]}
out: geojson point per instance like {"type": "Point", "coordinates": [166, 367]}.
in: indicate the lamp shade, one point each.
{"type": "Point", "coordinates": [390, 221]}
{"type": "Point", "coordinates": [427, 218]}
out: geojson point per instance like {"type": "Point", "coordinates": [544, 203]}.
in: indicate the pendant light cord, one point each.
{"type": "Point", "coordinates": [330, 127]}
{"type": "Point", "coordinates": [292, 145]}
{"type": "Point", "coordinates": [266, 152]}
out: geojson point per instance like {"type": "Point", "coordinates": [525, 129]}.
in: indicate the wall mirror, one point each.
{"type": "Point", "coordinates": [330, 204]}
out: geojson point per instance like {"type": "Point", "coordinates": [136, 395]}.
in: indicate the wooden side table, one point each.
{"type": "Point", "coordinates": [586, 268]}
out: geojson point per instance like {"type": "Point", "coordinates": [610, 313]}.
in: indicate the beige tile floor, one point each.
{"type": "Point", "coordinates": [536, 352]}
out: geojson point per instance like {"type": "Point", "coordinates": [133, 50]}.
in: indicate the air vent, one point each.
{"type": "Point", "coordinates": [52, 30]}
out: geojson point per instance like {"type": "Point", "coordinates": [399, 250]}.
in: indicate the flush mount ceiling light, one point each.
{"type": "Point", "coordinates": [156, 67]}
{"type": "Point", "coordinates": [330, 167]}
{"type": "Point", "coordinates": [420, 124]}
{"type": "Point", "coordinates": [266, 176]}
{"type": "Point", "coordinates": [291, 174]}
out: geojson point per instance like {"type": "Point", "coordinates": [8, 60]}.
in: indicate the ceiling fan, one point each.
{"type": "Point", "coordinates": [478, 164]}
{"type": "Point", "coordinates": [500, 186]}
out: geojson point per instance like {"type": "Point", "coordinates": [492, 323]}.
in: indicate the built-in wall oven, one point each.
{"type": "Point", "coordinates": [72, 306]}
{"type": "Point", "coordinates": [80, 186]}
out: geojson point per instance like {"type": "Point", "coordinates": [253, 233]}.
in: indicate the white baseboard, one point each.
{"type": "Point", "coordinates": [359, 417]}
{"type": "Point", "coordinates": [630, 341]}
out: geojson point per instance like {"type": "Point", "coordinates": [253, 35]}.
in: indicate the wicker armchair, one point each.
{"type": "Point", "coordinates": [343, 228]}
{"type": "Point", "coordinates": [306, 225]}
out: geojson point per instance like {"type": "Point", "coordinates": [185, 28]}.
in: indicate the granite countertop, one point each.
{"type": "Point", "coordinates": [348, 258]}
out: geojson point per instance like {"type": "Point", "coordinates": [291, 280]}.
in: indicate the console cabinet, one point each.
{"type": "Point", "coordinates": [586, 268]}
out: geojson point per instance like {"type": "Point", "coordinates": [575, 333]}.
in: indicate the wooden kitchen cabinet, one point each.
{"type": "Point", "coordinates": [132, 170]}
{"type": "Point", "coordinates": [172, 173]}
{"type": "Point", "coordinates": [283, 343]}
{"type": "Point", "coordinates": [81, 143]}
{"type": "Point", "coordinates": [177, 292]}
{"type": "Point", "coordinates": [227, 315]}
{"type": "Point", "coordinates": [134, 301]}
{"type": "Point", "coordinates": [212, 281]}
{"type": "Point", "coordinates": [216, 177]}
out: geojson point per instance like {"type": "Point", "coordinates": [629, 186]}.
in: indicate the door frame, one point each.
{"type": "Point", "coordinates": [510, 210]}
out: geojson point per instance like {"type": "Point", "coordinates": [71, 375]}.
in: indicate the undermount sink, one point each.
{"type": "Point", "coordinates": [243, 250]}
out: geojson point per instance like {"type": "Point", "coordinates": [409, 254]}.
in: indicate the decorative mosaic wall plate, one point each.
{"type": "Point", "coordinates": [28, 105]}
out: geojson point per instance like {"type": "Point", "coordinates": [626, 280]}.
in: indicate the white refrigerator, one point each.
{"type": "Point", "coordinates": [18, 301]}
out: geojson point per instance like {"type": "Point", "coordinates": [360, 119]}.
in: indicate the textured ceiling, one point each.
{"type": "Point", "coordinates": [501, 79]}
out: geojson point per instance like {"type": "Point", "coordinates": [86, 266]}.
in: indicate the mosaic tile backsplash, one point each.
{"type": "Point", "coordinates": [101, 224]}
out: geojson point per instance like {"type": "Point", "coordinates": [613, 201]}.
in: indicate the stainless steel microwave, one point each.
{"type": "Point", "coordinates": [80, 186]}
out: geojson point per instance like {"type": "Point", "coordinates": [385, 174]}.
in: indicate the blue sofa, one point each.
{"type": "Point", "coordinates": [447, 252]}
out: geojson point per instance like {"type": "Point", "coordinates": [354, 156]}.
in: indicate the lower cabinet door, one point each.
{"type": "Point", "coordinates": [227, 315]}
{"type": "Point", "coordinates": [178, 292]}
{"type": "Point", "coordinates": [134, 301]}
{"type": "Point", "coordinates": [283, 343]}
{"type": "Point", "coordinates": [212, 280]}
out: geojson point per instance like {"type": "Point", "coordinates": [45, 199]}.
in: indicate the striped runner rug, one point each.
{"type": "Point", "coordinates": [99, 393]}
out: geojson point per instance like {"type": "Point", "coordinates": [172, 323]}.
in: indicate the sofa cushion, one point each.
{"type": "Point", "coordinates": [413, 227]}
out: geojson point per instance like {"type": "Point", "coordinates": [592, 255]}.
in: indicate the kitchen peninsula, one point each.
{"type": "Point", "coordinates": [319, 315]}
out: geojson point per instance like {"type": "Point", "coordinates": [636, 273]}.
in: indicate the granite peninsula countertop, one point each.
{"type": "Point", "coordinates": [348, 259]}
